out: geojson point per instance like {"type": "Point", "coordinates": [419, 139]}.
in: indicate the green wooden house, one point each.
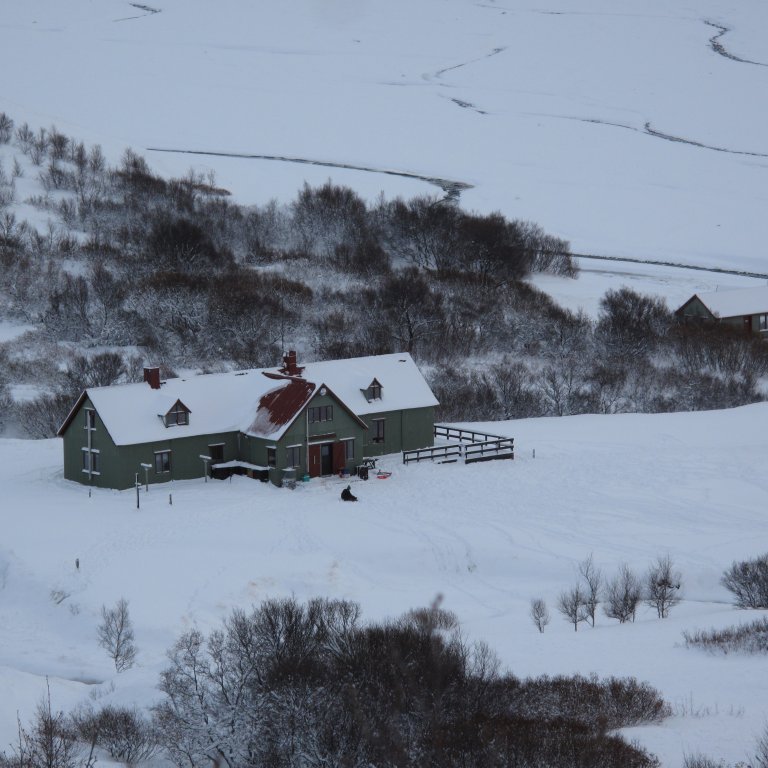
{"type": "Point", "coordinates": [317, 419]}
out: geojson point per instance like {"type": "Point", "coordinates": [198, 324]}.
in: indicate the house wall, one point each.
{"type": "Point", "coordinates": [403, 430]}
{"type": "Point", "coordinates": [119, 464]}
{"type": "Point", "coordinates": [342, 425]}
{"type": "Point", "coordinates": [695, 308]}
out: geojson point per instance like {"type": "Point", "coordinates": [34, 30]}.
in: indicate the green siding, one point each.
{"type": "Point", "coordinates": [119, 464]}
{"type": "Point", "coordinates": [404, 430]}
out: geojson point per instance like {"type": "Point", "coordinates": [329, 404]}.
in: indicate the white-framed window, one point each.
{"type": "Point", "coordinates": [271, 456]}
{"type": "Point", "coordinates": [90, 419]}
{"type": "Point", "coordinates": [91, 461]}
{"type": "Point", "coordinates": [162, 462]}
{"type": "Point", "coordinates": [762, 322]}
{"type": "Point", "coordinates": [349, 448]}
{"type": "Point", "coordinates": [293, 455]}
{"type": "Point", "coordinates": [320, 413]}
{"type": "Point", "coordinates": [378, 430]}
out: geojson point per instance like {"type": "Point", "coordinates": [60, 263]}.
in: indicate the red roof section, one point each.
{"type": "Point", "coordinates": [282, 405]}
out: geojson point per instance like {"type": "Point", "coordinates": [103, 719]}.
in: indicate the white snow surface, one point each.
{"type": "Point", "coordinates": [488, 537]}
{"type": "Point", "coordinates": [547, 109]}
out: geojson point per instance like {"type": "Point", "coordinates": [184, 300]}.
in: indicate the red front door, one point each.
{"type": "Point", "coordinates": [339, 457]}
{"type": "Point", "coordinates": [315, 464]}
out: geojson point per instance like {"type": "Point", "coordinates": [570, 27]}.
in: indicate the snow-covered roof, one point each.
{"type": "Point", "coordinates": [260, 402]}
{"type": "Point", "coordinates": [739, 301]}
{"type": "Point", "coordinates": [402, 385]}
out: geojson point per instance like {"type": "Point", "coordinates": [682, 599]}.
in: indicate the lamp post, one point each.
{"type": "Point", "coordinates": [206, 461]}
{"type": "Point", "coordinates": [146, 468]}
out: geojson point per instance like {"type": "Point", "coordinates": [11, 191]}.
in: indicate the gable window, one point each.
{"type": "Point", "coordinates": [91, 461]}
{"type": "Point", "coordinates": [90, 419]}
{"type": "Point", "coordinates": [162, 462]}
{"type": "Point", "coordinates": [378, 430]}
{"type": "Point", "coordinates": [177, 416]}
{"type": "Point", "coordinates": [293, 455]}
{"type": "Point", "coordinates": [320, 413]}
{"type": "Point", "coordinates": [271, 457]}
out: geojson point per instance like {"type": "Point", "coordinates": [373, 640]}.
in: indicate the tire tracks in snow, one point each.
{"type": "Point", "coordinates": [649, 130]}
{"type": "Point", "coordinates": [451, 188]}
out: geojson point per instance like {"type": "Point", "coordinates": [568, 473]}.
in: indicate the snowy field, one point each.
{"type": "Point", "coordinates": [488, 537]}
{"type": "Point", "coordinates": [634, 128]}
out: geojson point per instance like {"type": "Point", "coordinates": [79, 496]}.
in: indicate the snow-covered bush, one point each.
{"type": "Point", "coordinates": [293, 679]}
{"type": "Point", "coordinates": [744, 638]}
{"type": "Point", "coordinates": [748, 581]}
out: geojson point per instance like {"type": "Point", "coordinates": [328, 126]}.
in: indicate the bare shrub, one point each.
{"type": "Point", "coordinates": [622, 595]}
{"type": "Point", "coordinates": [611, 703]}
{"type": "Point", "coordinates": [744, 638]}
{"type": "Point", "coordinates": [702, 761]}
{"type": "Point", "coordinates": [571, 605]}
{"type": "Point", "coordinates": [748, 581]}
{"type": "Point", "coordinates": [662, 586]}
{"type": "Point", "coordinates": [42, 417]}
{"type": "Point", "coordinates": [48, 742]}
{"type": "Point", "coordinates": [539, 613]}
{"type": "Point", "coordinates": [291, 679]}
{"type": "Point", "coordinates": [6, 128]}
{"type": "Point", "coordinates": [116, 635]}
{"type": "Point", "coordinates": [124, 733]}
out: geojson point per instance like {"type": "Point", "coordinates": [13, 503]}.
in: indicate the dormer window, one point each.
{"type": "Point", "coordinates": [374, 390]}
{"type": "Point", "coordinates": [178, 415]}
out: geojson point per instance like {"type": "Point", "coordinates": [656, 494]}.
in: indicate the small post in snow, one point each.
{"type": "Point", "coordinates": [77, 563]}
{"type": "Point", "coordinates": [534, 453]}
{"type": "Point", "coordinates": [146, 468]}
{"type": "Point", "coordinates": [138, 487]}
{"type": "Point", "coordinates": [170, 499]}
{"type": "Point", "coordinates": [206, 460]}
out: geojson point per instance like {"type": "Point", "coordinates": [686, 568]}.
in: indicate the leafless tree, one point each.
{"type": "Point", "coordinates": [116, 635]}
{"type": "Point", "coordinates": [539, 613]}
{"type": "Point", "coordinates": [662, 586]}
{"type": "Point", "coordinates": [592, 578]}
{"type": "Point", "coordinates": [49, 742]}
{"type": "Point", "coordinates": [571, 605]}
{"type": "Point", "coordinates": [622, 595]}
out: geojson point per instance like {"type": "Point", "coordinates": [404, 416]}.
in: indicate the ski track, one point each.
{"type": "Point", "coordinates": [451, 188]}
{"type": "Point", "coordinates": [440, 72]}
{"type": "Point", "coordinates": [721, 50]}
{"type": "Point", "coordinates": [148, 11]}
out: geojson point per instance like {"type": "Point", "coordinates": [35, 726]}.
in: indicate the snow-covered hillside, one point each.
{"type": "Point", "coordinates": [633, 129]}
{"type": "Point", "coordinates": [488, 537]}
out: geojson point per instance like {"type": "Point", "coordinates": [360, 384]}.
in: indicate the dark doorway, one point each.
{"type": "Point", "coordinates": [216, 452]}
{"type": "Point", "coordinates": [326, 459]}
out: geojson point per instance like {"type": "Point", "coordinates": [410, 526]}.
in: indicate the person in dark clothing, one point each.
{"type": "Point", "coordinates": [346, 495]}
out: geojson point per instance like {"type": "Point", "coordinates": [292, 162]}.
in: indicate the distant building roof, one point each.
{"type": "Point", "coordinates": [258, 402]}
{"type": "Point", "coordinates": [736, 302]}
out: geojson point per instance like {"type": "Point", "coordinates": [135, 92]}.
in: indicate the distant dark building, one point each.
{"type": "Point", "coordinates": [740, 308]}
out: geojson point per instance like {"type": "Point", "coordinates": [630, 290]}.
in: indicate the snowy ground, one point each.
{"type": "Point", "coordinates": [633, 128]}
{"type": "Point", "coordinates": [487, 537]}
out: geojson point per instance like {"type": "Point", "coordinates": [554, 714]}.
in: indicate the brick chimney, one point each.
{"type": "Point", "coordinates": [290, 368]}
{"type": "Point", "coordinates": [152, 377]}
